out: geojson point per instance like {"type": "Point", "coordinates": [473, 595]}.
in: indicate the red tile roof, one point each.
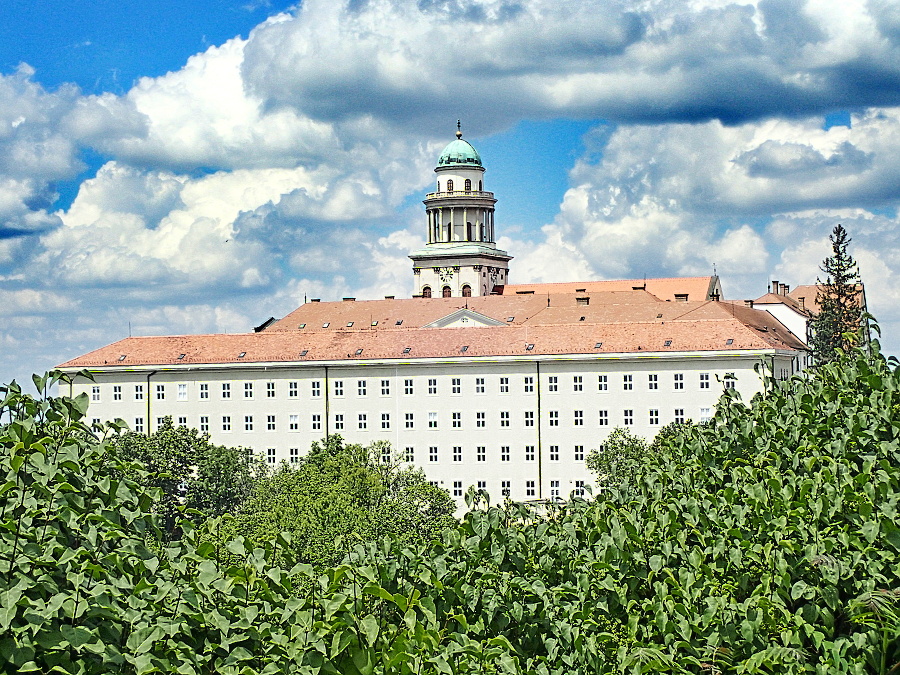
{"type": "Point", "coordinates": [695, 288]}
{"type": "Point", "coordinates": [623, 321]}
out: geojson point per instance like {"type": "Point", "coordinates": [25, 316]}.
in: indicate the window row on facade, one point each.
{"type": "Point", "coordinates": [364, 421]}
{"type": "Point", "coordinates": [364, 387]}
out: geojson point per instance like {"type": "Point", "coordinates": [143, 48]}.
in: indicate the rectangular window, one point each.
{"type": "Point", "coordinates": [628, 417]}
{"type": "Point", "coordinates": [248, 422]}
{"type": "Point", "coordinates": [653, 381]}
{"type": "Point", "coordinates": [138, 392]}
{"type": "Point", "coordinates": [294, 454]}
{"type": "Point", "coordinates": [204, 391]}
{"type": "Point", "coordinates": [602, 383]}
{"type": "Point", "coordinates": [117, 392]}
{"type": "Point", "coordinates": [553, 383]}
{"type": "Point", "coordinates": [362, 421]}
{"type": "Point", "coordinates": [504, 419]}
{"type": "Point", "coordinates": [529, 453]}
{"type": "Point", "coordinates": [577, 383]}
{"type": "Point", "coordinates": [505, 488]}
{"type": "Point", "coordinates": [339, 421]}
{"type": "Point", "coordinates": [316, 389]}
{"type": "Point", "coordinates": [479, 419]}
{"type": "Point", "coordinates": [409, 454]}
{"type": "Point", "coordinates": [338, 387]}
{"type": "Point", "coordinates": [160, 392]}
{"type": "Point", "coordinates": [504, 385]}
{"type": "Point", "coordinates": [226, 423]}
{"type": "Point", "coordinates": [730, 380]}
{"type": "Point", "coordinates": [248, 390]}
{"type": "Point", "coordinates": [361, 387]}
{"type": "Point", "coordinates": [456, 420]}
{"type": "Point", "coordinates": [604, 418]}
{"type": "Point", "coordinates": [654, 416]}
{"type": "Point", "coordinates": [293, 390]}
{"type": "Point", "coordinates": [504, 453]}
{"type": "Point", "coordinates": [270, 389]}
{"type": "Point", "coordinates": [293, 422]}
{"type": "Point", "coordinates": [529, 384]}
{"type": "Point", "coordinates": [316, 422]}
{"type": "Point", "coordinates": [181, 393]}
{"type": "Point", "coordinates": [679, 415]}
{"type": "Point", "coordinates": [480, 454]}
{"type": "Point", "coordinates": [182, 421]}
{"type": "Point", "coordinates": [456, 386]}
{"type": "Point", "coordinates": [554, 489]}
{"type": "Point", "coordinates": [204, 423]}
{"type": "Point", "coordinates": [270, 455]}
{"type": "Point", "coordinates": [705, 415]}
{"type": "Point", "coordinates": [679, 380]}
{"type": "Point", "coordinates": [160, 421]}
{"type": "Point", "coordinates": [139, 424]}
{"type": "Point", "coordinates": [579, 418]}
{"type": "Point", "coordinates": [432, 420]}
{"type": "Point", "coordinates": [408, 387]}
{"type": "Point", "coordinates": [482, 485]}
{"type": "Point", "coordinates": [386, 454]}
{"type": "Point", "coordinates": [457, 488]}
{"type": "Point", "coordinates": [554, 418]}
{"type": "Point", "coordinates": [554, 453]}
{"type": "Point", "coordinates": [432, 453]}
{"type": "Point", "coordinates": [432, 387]}
{"type": "Point", "coordinates": [95, 393]}
{"type": "Point", "coordinates": [457, 453]}
{"type": "Point", "coordinates": [385, 420]}
{"type": "Point", "coordinates": [409, 420]}
{"type": "Point", "coordinates": [479, 385]}
{"type": "Point", "coordinates": [270, 422]}
{"type": "Point", "coordinates": [579, 488]}
{"type": "Point", "coordinates": [529, 488]}
{"type": "Point", "coordinates": [627, 382]}
{"type": "Point", "coordinates": [704, 380]}
{"type": "Point", "coordinates": [385, 387]}
{"type": "Point", "coordinates": [529, 418]}
{"type": "Point", "coordinates": [579, 453]}
{"type": "Point", "coordinates": [226, 390]}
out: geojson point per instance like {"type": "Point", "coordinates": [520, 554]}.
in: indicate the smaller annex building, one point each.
{"type": "Point", "coordinates": [478, 382]}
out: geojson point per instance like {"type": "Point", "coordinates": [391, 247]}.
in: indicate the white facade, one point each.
{"type": "Point", "coordinates": [508, 425]}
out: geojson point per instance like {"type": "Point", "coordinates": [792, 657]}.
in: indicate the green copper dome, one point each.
{"type": "Point", "coordinates": [459, 152]}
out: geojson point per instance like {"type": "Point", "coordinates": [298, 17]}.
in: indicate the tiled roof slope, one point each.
{"type": "Point", "coordinates": [641, 326]}
{"type": "Point", "coordinates": [696, 288]}
{"type": "Point", "coordinates": [774, 299]}
{"type": "Point", "coordinates": [810, 295]}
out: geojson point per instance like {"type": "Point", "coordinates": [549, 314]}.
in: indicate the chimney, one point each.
{"type": "Point", "coordinates": [802, 302]}
{"type": "Point", "coordinates": [774, 288]}
{"type": "Point", "coordinates": [389, 297]}
{"type": "Point", "coordinates": [749, 303]}
{"type": "Point", "coordinates": [784, 289]}
{"type": "Point", "coordinates": [316, 300]}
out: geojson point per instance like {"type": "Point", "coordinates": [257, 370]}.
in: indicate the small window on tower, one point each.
{"type": "Point", "coordinates": [446, 292]}
{"type": "Point", "coordinates": [450, 185]}
{"type": "Point", "coordinates": [426, 292]}
{"type": "Point", "coordinates": [467, 291]}
{"type": "Point", "coordinates": [479, 186]}
{"type": "Point", "coordinates": [468, 185]}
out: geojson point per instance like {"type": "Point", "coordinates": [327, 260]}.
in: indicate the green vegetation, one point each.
{"type": "Point", "coordinates": [837, 324]}
{"type": "Point", "coordinates": [767, 541]}
{"type": "Point", "coordinates": [336, 497]}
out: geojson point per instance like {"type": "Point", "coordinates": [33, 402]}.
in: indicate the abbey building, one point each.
{"type": "Point", "coordinates": [478, 381]}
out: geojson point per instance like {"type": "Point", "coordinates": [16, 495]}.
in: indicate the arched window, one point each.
{"type": "Point", "coordinates": [470, 232]}
{"type": "Point", "coordinates": [468, 185]}
{"type": "Point", "coordinates": [450, 185]}
{"type": "Point", "coordinates": [426, 292]}
{"type": "Point", "coordinates": [446, 292]}
{"type": "Point", "coordinates": [439, 186]}
{"type": "Point", "coordinates": [467, 291]}
{"type": "Point", "coordinates": [479, 186]}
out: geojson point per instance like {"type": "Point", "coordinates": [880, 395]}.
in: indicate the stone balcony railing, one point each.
{"type": "Point", "coordinates": [460, 193]}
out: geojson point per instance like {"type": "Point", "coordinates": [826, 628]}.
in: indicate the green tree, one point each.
{"type": "Point", "coordinates": [337, 496]}
{"type": "Point", "coordinates": [619, 460]}
{"type": "Point", "coordinates": [190, 471]}
{"type": "Point", "coordinates": [839, 318]}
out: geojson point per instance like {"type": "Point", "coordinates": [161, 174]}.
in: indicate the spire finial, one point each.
{"type": "Point", "coordinates": [458, 129]}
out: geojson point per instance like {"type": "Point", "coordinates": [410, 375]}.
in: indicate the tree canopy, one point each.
{"type": "Point", "coordinates": [838, 321]}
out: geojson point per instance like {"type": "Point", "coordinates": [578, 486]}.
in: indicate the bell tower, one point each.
{"type": "Point", "coordinates": [461, 258]}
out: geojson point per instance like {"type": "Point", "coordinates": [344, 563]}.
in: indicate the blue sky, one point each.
{"type": "Point", "coordinates": [196, 167]}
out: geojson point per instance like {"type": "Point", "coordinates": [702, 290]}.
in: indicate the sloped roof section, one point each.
{"type": "Point", "coordinates": [672, 289]}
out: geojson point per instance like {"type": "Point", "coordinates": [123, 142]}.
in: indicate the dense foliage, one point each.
{"type": "Point", "coordinates": [337, 496]}
{"type": "Point", "coordinates": [765, 541]}
{"type": "Point", "coordinates": [838, 320]}
{"type": "Point", "coordinates": [191, 472]}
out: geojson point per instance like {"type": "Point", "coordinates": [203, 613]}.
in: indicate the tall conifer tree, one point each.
{"type": "Point", "coordinates": [839, 299]}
